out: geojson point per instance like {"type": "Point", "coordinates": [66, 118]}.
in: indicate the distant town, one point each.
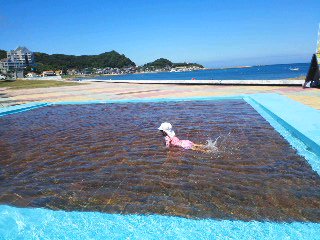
{"type": "Point", "coordinates": [23, 63]}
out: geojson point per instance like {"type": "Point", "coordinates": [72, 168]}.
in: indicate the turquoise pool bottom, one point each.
{"type": "Point", "coordinates": [23, 223]}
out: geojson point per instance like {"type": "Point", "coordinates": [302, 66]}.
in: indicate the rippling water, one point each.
{"type": "Point", "coordinates": [111, 158]}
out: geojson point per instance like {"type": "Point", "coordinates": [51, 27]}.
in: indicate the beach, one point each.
{"type": "Point", "coordinates": [100, 91]}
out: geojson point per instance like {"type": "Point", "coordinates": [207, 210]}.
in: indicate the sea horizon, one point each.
{"type": "Point", "coordinates": [259, 72]}
{"type": "Point", "coordinates": [253, 65]}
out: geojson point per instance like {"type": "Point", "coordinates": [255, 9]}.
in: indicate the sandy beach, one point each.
{"type": "Point", "coordinates": [115, 91]}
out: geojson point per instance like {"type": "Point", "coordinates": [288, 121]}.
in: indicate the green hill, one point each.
{"type": "Point", "coordinates": [60, 61]}
{"type": "Point", "coordinates": [111, 59]}
{"type": "Point", "coordinates": [159, 63]}
{"type": "Point", "coordinates": [165, 63]}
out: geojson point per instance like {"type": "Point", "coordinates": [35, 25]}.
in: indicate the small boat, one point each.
{"type": "Point", "coordinates": [294, 69]}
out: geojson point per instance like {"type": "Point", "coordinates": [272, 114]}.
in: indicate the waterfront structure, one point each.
{"type": "Point", "coordinates": [17, 59]}
{"type": "Point", "coordinates": [31, 75]}
{"type": "Point", "coordinates": [58, 72]}
{"type": "Point", "coordinates": [48, 73]}
{"type": "Point", "coordinates": [72, 72]}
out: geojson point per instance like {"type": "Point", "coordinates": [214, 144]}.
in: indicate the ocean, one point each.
{"type": "Point", "coordinates": [267, 72]}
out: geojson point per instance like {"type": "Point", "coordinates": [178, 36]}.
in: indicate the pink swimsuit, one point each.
{"type": "Point", "coordinates": [186, 144]}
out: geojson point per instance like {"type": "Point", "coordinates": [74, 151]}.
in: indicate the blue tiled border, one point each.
{"type": "Point", "coordinates": [290, 133]}
{"type": "Point", "coordinates": [21, 108]}
{"type": "Point", "coordinates": [33, 105]}
{"type": "Point", "coordinates": [29, 223]}
{"type": "Point", "coordinates": [302, 121]}
{"type": "Point", "coordinates": [26, 223]}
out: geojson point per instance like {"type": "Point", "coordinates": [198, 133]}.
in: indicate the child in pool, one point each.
{"type": "Point", "coordinates": [172, 140]}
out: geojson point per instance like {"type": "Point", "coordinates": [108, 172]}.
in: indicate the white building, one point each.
{"type": "Point", "coordinates": [17, 59]}
{"type": "Point", "coordinates": [31, 75]}
{"type": "Point", "coordinates": [48, 73]}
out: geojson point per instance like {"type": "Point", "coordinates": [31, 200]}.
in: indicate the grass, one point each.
{"type": "Point", "coordinates": [25, 84]}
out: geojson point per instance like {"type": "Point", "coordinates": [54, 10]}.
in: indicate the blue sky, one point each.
{"type": "Point", "coordinates": [212, 32]}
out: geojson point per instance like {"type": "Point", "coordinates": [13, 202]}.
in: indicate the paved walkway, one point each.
{"type": "Point", "coordinates": [115, 91]}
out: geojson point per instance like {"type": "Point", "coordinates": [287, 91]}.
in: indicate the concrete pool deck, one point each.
{"type": "Point", "coordinates": [114, 91]}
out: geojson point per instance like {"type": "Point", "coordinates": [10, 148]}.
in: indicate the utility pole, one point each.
{"type": "Point", "coordinates": [318, 43]}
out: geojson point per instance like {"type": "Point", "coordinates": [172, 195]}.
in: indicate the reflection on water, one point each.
{"type": "Point", "coordinates": [111, 158]}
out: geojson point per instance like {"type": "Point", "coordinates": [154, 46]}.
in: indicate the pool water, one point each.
{"type": "Point", "coordinates": [111, 158]}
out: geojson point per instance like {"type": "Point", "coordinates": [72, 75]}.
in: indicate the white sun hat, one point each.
{"type": "Point", "coordinates": [167, 128]}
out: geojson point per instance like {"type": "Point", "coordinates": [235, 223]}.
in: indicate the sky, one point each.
{"type": "Point", "coordinates": [214, 33]}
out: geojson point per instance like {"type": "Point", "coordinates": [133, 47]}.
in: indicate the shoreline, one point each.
{"type": "Point", "coordinates": [278, 82]}
{"type": "Point", "coordinates": [97, 76]}
{"type": "Point", "coordinates": [121, 74]}
{"type": "Point", "coordinates": [93, 77]}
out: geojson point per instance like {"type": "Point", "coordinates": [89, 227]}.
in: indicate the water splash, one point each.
{"type": "Point", "coordinates": [215, 146]}
{"type": "Point", "coordinates": [211, 145]}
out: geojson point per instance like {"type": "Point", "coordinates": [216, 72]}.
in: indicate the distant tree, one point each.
{"type": "Point", "coordinates": [187, 65]}
{"type": "Point", "coordinates": [3, 54]}
{"type": "Point", "coordinates": [27, 60]}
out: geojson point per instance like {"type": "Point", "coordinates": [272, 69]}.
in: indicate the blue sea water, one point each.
{"type": "Point", "coordinates": [268, 72]}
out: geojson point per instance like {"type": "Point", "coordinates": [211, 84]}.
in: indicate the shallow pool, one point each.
{"type": "Point", "coordinates": [111, 158]}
